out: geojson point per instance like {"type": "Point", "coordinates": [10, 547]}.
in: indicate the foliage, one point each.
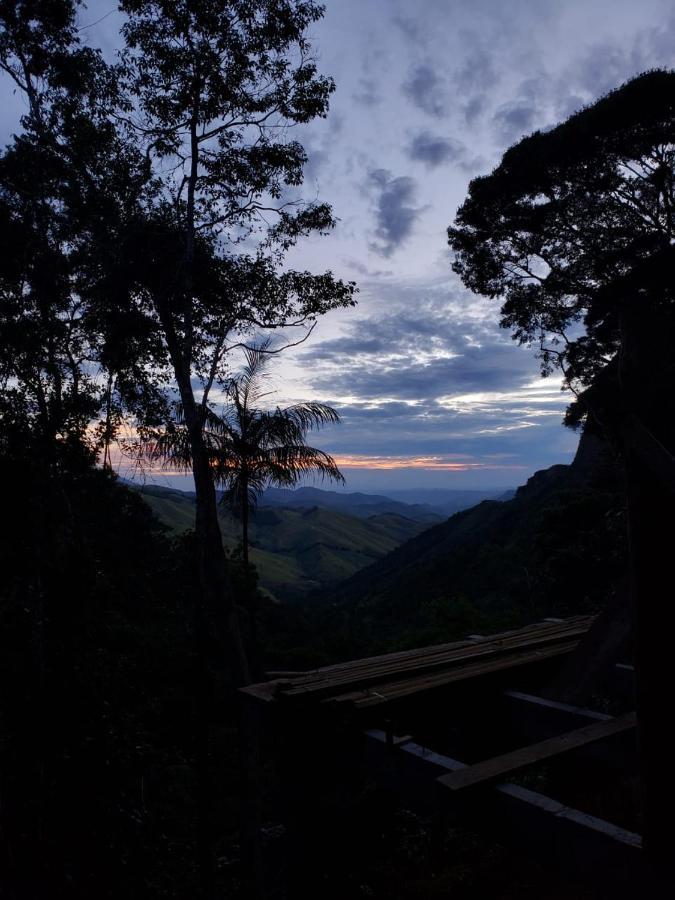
{"type": "Point", "coordinates": [125, 201]}
{"type": "Point", "coordinates": [211, 95]}
{"type": "Point", "coordinates": [96, 647]}
{"type": "Point", "coordinates": [250, 447]}
{"type": "Point", "coordinates": [267, 447]}
{"type": "Point", "coordinates": [66, 183]}
{"type": "Point", "coordinates": [567, 219]}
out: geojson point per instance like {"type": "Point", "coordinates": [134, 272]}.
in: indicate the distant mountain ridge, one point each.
{"type": "Point", "coordinates": [356, 504]}
{"type": "Point", "coordinates": [421, 505]}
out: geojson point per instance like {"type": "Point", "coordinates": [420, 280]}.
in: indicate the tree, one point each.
{"type": "Point", "coordinates": [211, 96]}
{"type": "Point", "coordinates": [210, 99]}
{"type": "Point", "coordinates": [148, 206]}
{"type": "Point", "coordinates": [250, 447]}
{"type": "Point", "coordinates": [60, 197]}
{"type": "Point", "coordinates": [266, 447]}
{"type": "Point", "coordinates": [65, 182]}
{"type": "Point", "coordinates": [574, 230]}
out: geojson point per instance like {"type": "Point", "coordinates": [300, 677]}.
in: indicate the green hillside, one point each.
{"type": "Point", "coordinates": [296, 550]}
{"type": "Point", "coordinates": [556, 548]}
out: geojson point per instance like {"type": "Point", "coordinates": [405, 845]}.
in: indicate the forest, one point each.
{"type": "Point", "coordinates": [151, 217]}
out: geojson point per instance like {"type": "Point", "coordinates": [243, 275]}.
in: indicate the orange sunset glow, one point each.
{"type": "Point", "coordinates": [438, 463]}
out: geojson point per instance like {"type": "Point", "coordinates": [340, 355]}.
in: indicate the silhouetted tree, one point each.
{"type": "Point", "coordinates": [574, 231]}
{"type": "Point", "coordinates": [266, 447]}
{"type": "Point", "coordinates": [125, 202]}
{"type": "Point", "coordinates": [65, 182]}
{"type": "Point", "coordinates": [211, 93]}
{"type": "Point", "coordinates": [250, 447]}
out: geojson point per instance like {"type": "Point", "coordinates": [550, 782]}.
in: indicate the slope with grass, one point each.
{"type": "Point", "coordinates": [299, 549]}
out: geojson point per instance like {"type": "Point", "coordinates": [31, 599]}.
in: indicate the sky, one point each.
{"type": "Point", "coordinates": [432, 393]}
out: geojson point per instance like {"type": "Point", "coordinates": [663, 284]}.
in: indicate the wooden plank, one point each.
{"type": "Point", "coordinates": [497, 768]}
{"type": "Point", "coordinates": [359, 678]}
{"type": "Point", "coordinates": [564, 839]}
{"type": "Point", "coordinates": [353, 669]}
{"type": "Point", "coordinates": [397, 690]}
{"type": "Point", "coordinates": [467, 651]}
{"type": "Point", "coordinates": [263, 692]}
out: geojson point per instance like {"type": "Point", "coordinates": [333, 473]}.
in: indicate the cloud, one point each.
{"type": "Point", "coordinates": [425, 345]}
{"type": "Point", "coordinates": [424, 371]}
{"type": "Point", "coordinates": [395, 215]}
{"type": "Point", "coordinates": [411, 374]}
{"type": "Point", "coordinates": [426, 90]}
{"type": "Point", "coordinates": [363, 270]}
{"type": "Point", "coordinates": [367, 93]}
{"type": "Point", "coordinates": [515, 119]}
{"type": "Point", "coordinates": [316, 162]}
{"type": "Point", "coordinates": [474, 81]}
{"type": "Point", "coordinates": [411, 30]}
{"type": "Point", "coordinates": [434, 150]}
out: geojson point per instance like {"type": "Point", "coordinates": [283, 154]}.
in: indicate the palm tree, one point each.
{"type": "Point", "coordinates": [262, 448]}
{"type": "Point", "coordinates": [250, 447]}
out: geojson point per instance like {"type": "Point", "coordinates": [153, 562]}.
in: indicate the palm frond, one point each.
{"type": "Point", "coordinates": [311, 416]}
{"type": "Point", "coordinates": [248, 447]}
{"type": "Point", "coordinates": [288, 463]}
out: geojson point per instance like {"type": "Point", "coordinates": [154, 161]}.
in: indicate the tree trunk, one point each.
{"type": "Point", "coordinates": [244, 528]}
{"type": "Point", "coordinates": [214, 610]}
{"type": "Point", "coordinates": [217, 600]}
{"type": "Point", "coordinates": [249, 588]}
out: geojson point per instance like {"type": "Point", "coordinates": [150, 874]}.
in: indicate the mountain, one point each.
{"type": "Point", "coordinates": [555, 548]}
{"type": "Point", "coordinates": [355, 504]}
{"type": "Point", "coordinates": [448, 501]}
{"type": "Point", "coordinates": [301, 548]}
{"type": "Point", "coordinates": [424, 505]}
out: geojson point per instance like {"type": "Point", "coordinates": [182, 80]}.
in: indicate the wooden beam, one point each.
{"type": "Point", "coordinates": [567, 840]}
{"type": "Point", "coordinates": [499, 767]}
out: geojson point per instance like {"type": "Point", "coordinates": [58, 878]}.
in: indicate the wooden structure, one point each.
{"type": "Point", "coordinates": [378, 680]}
{"type": "Point", "coordinates": [468, 735]}
{"type": "Point", "coordinates": [508, 764]}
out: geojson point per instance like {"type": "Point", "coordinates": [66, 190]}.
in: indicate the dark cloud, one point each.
{"type": "Point", "coordinates": [411, 30]}
{"type": "Point", "coordinates": [367, 93]}
{"type": "Point", "coordinates": [316, 160]}
{"type": "Point", "coordinates": [529, 109]}
{"type": "Point", "coordinates": [498, 367]}
{"type": "Point", "coordinates": [407, 370]}
{"type": "Point", "coordinates": [602, 68]}
{"type": "Point", "coordinates": [473, 82]}
{"type": "Point", "coordinates": [426, 90]}
{"type": "Point", "coordinates": [347, 348]}
{"type": "Point", "coordinates": [394, 213]}
{"type": "Point", "coordinates": [421, 349]}
{"type": "Point", "coordinates": [434, 150]}
{"type": "Point", "coordinates": [513, 120]}
{"type": "Point", "coordinates": [474, 108]}
{"type": "Point", "coordinates": [364, 271]}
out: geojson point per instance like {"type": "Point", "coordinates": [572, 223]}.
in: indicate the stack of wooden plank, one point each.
{"type": "Point", "coordinates": [380, 679]}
